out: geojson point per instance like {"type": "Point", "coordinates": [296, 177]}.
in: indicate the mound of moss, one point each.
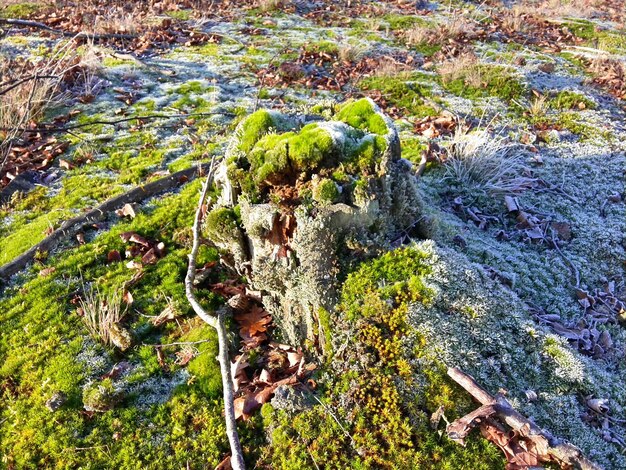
{"type": "Point", "coordinates": [273, 150]}
{"type": "Point", "coordinates": [403, 318]}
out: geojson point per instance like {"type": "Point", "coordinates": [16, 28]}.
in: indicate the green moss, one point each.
{"type": "Point", "coordinates": [427, 49]}
{"type": "Point", "coordinates": [373, 424]}
{"type": "Point", "coordinates": [361, 115]}
{"type": "Point", "coordinates": [109, 61]}
{"type": "Point", "coordinates": [100, 396]}
{"type": "Point", "coordinates": [576, 60]}
{"type": "Point", "coordinates": [45, 348]}
{"type": "Point", "coordinates": [20, 10]}
{"type": "Point", "coordinates": [399, 272]}
{"type": "Point", "coordinates": [325, 191]}
{"type": "Point", "coordinates": [397, 22]}
{"type": "Point", "coordinates": [495, 80]}
{"type": "Point", "coordinates": [27, 232]}
{"type": "Point", "coordinates": [412, 149]}
{"type": "Point", "coordinates": [404, 93]}
{"type": "Point", "coordinates": [328, 47]}
{"type": "Point", "coordinates": [612, 42]}
{"type": "Point", "coordinates": [182, 15]}
{"type": "Point", "coordinates": [567, 99]}
{"type": "Point", "coordinates": [193, 86]}
{"type": "Point", "coordinates": [363, 158]}
{"type": "Point", "coordinates": [255, 126]}
{"type": "Point", "coordinates": [209, 49]}
{"type": "Point", "coordinates": [204, 367]}
{"type": "Point", "coordinates": [275, 154]}
{"type": "Point", "coordinates": [571, 122]}
{"type": "Point", "coordinates": [582, 28]}
{"type": "Point", "coordinates": [221, 224]}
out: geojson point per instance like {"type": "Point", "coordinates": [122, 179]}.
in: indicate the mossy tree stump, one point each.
{"type": "Point", "coordinates": [299, 191]}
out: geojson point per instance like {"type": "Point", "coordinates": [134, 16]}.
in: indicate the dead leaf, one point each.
{"type": "Point", "coordinates": [224, 464]}
{"type": "Point", "coordinates": [126, 211]}
{"type": "Point", "coordinates": [237, 371]}
{"type": "Point", "coordinates": [127, 297]}
{"type": "Point", "coordinates": [255, 320]}
{"type": "Point", "coordinates": [47, 271]}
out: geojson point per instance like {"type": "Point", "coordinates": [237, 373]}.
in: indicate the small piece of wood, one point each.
{"type": "Point", "coordinates": [216, 320]}
{"type": "Point", "coordinates": [548, 447]}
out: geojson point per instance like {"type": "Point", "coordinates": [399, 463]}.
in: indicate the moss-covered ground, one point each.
{"type": "Point", "coordinates": [404, 315]}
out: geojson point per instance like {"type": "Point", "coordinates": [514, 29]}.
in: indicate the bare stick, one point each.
{"type": "Point", "coordinates": [217, 322]}
{"type": "Point", "coordinates": [566, 454]}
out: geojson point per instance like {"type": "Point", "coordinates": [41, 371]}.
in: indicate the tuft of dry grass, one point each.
{"type": "Point", "coordinates": [271, 5]}
{"type": "Point", "coordinates": [350, 53]}
{"type": "Point", "coordinates": [101, 313]}
{"type": "Point", "coordinates": [515, 19]}
{"type": "Point", "coordinates": [464, 66]}
{"type": "Point", "coordinates": [419, 34]}
{"type": "Point", "coordinates": [480, 161]}
{"type": "Point", "coordinates": [562, 8]}
{"type": "Point", "coordinates": [29, 89]}
{"type": "Point", "coordinates": [538, 106]}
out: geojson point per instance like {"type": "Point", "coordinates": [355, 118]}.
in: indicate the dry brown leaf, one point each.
{"type": "Point", "coordinates": [237, 371]}
{"type": "Point", "coordinates": [224, 464]}
{"type": "Point", "coordinates": [126, 211]}
{"type": "Point", "coordinates": [47, 271]}
{"type": "Point", "coordinates": [254, 321]}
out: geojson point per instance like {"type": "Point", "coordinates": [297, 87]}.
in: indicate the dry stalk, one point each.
{"type": "Point", "coordinates": [216, 320]}
{"type": "Point", "coordinates": [482, 161]}
{"type": "Point", "coordinates": [28, 90]}
{"type": "Point", "coordinates": [101, 312]}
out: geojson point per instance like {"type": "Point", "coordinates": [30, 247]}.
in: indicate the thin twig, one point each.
{"type": "Point", "coordinates": [215, 320]}
{"type": "Point", "coordinates": [10, 86]}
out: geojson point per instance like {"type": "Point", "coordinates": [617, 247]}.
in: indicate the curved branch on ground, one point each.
{"type": "Point", "coordinates": [217, 322]}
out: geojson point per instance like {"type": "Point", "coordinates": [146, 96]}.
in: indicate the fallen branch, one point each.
{"type": "Point", "coordinates": [215, 320]}
{"type": "Point", "coordinates": [45, 27]}
{"type": "Point", "coordinates": [546, 447]}
{"type": "Point", "coordinates": [50, 128]}
{"type": "Point", "coordinates": [72, 226]}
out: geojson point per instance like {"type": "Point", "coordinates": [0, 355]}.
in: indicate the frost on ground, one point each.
{"type": "Point", "coordinates": [515, 124]}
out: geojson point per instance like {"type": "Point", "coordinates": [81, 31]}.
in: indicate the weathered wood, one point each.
{"type": "Point", "coordinates": [564, 453]}
{"type": "Point", "coordinates": [72, 226]}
